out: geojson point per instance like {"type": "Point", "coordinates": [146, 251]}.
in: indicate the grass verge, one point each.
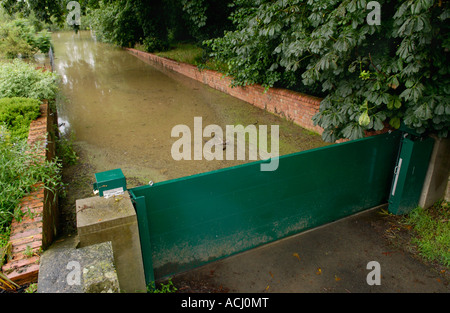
{"type": "Point", "coordinates": [191, 54]}
{"type": "Point", "coordinates": [431, 232]}
{"type": "Point", "coordinates": [183, 52]}
{"type": "Point", "coordinates": [424, 234]}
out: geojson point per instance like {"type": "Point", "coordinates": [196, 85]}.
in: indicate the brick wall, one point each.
{"type": "Point", "coordinates": [36, 230]}
{"type": "Point", "coordinates": [295, 106]}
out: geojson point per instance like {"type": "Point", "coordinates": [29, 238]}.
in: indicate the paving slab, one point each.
{"type": "Point", "coordinates": [64, 268]}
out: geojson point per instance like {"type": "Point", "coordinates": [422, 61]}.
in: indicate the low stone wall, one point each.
{"type": "Point", "coordinates": [36, 230]}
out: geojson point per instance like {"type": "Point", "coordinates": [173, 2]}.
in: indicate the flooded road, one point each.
{"type": "Point", "coordinates": [122, 110]}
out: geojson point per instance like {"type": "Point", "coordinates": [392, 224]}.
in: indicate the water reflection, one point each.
{"type": "Point", "coordinates": [63, 126]}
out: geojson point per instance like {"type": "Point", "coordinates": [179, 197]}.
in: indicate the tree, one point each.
{"type": "Point", "coordinates": [43, 9]}
{"type": "Point", "coordinates": [126, 22]}
{"type": "Point", "coordinates": [47, 11]}
{"type": "Point", "coordinates": [369, 75]}
{"type": "Point", "coordinates": [207, 18]}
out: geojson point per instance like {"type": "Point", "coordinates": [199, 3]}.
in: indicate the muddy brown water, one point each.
{"type": "Point", "coordinates": [122, 110]}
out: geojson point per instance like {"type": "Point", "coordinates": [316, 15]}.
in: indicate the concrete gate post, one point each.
{"type": "Point", "coordinates": [114, 219]}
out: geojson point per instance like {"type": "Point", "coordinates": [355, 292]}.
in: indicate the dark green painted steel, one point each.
{"type": "Point", "coordinates": [108, 180]}
{"type": "Point", "coordinates": [198, 219]}
{"type": "Point", "coordinates": [411, 168]}
{"type": "Point", "coordinates": [144, 235]}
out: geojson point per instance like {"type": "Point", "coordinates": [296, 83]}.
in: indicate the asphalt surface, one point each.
{"type": "Point", "coordinates": [333, 258]}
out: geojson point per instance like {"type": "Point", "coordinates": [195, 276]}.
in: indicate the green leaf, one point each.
{"type": "Point", "coordinates": [364, 119]}
{"type": "Point", "coordinates": [440, 109]}
{"type": "Point", "coordinates": [394, 102]}
{"type": "Point", "coordinates": [409, 83]}
{"type": "Point", "coordinates": [378, 123]}
{"type": "Point", "coordinates": [353, 131]}
{"type": "Point", "coordinates": [395, 122]}
{"type": "Point", "coordinates": [394, 83]}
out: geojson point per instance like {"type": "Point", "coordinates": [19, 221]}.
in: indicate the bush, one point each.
{"type": "Point", "coordinates": [19, 79]}
{"type": "Point", "coordinates": [43, 41]}
{"type": "Point", "coordinates": [14, 42]}
{"type": "Point", "coordinates": [16, 115]}
{"type": "Point", "coordinates": [19, 38]}
{"type": "Point", "coordinates": [152, 44]}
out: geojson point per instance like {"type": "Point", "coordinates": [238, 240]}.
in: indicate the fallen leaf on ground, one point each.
{"type": "Point", "coordinates": [296, 255]}
{"type": "Point", "coordinates": [319, 271]}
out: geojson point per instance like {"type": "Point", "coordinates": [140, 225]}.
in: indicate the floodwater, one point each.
{"type": "Point", "coordinates": [121, 111]}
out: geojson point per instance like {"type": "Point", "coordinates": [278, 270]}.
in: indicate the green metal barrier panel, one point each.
{"type": "Point", "coordinates": [187, 222]}
{"type": "Point", "coordinates": [410, 172]}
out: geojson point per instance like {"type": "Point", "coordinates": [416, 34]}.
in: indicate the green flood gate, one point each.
{"type": "Point", "coordinates": [188, 222]}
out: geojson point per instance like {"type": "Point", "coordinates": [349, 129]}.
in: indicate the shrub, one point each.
{"type": "Point", "coordinates": [43, 41]}
{"type": "Point", "coordinates": [16, 115]}
{"type": "Point", "coordinates": [152, 44]}
{"type": "Point", "coordinates": [19, 38]}
{"type": "Point", "coordinates": [13, 42]}
{"type": "Point", "coordinates": [19, 79]}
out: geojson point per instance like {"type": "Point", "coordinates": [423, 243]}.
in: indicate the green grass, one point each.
{"type": "Point", "coordinates": [163, 288]}
{"type": "Point", "coordinates": [191, 54]}
{"type": "Point", "coordinates": [432, 232]}
{"type": "Point", "coordinates": [183, 52]}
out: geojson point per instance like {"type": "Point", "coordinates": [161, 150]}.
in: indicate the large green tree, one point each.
{"type": "Point", "coordinates": [369, 75]}
{"type": "Point", "coordinates": [152, 22]}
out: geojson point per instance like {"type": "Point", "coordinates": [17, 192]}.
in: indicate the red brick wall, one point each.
{"type": "Point", "coordinates": [295, 106]}
{"type": "Point", "coordinates": [36, 229]}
